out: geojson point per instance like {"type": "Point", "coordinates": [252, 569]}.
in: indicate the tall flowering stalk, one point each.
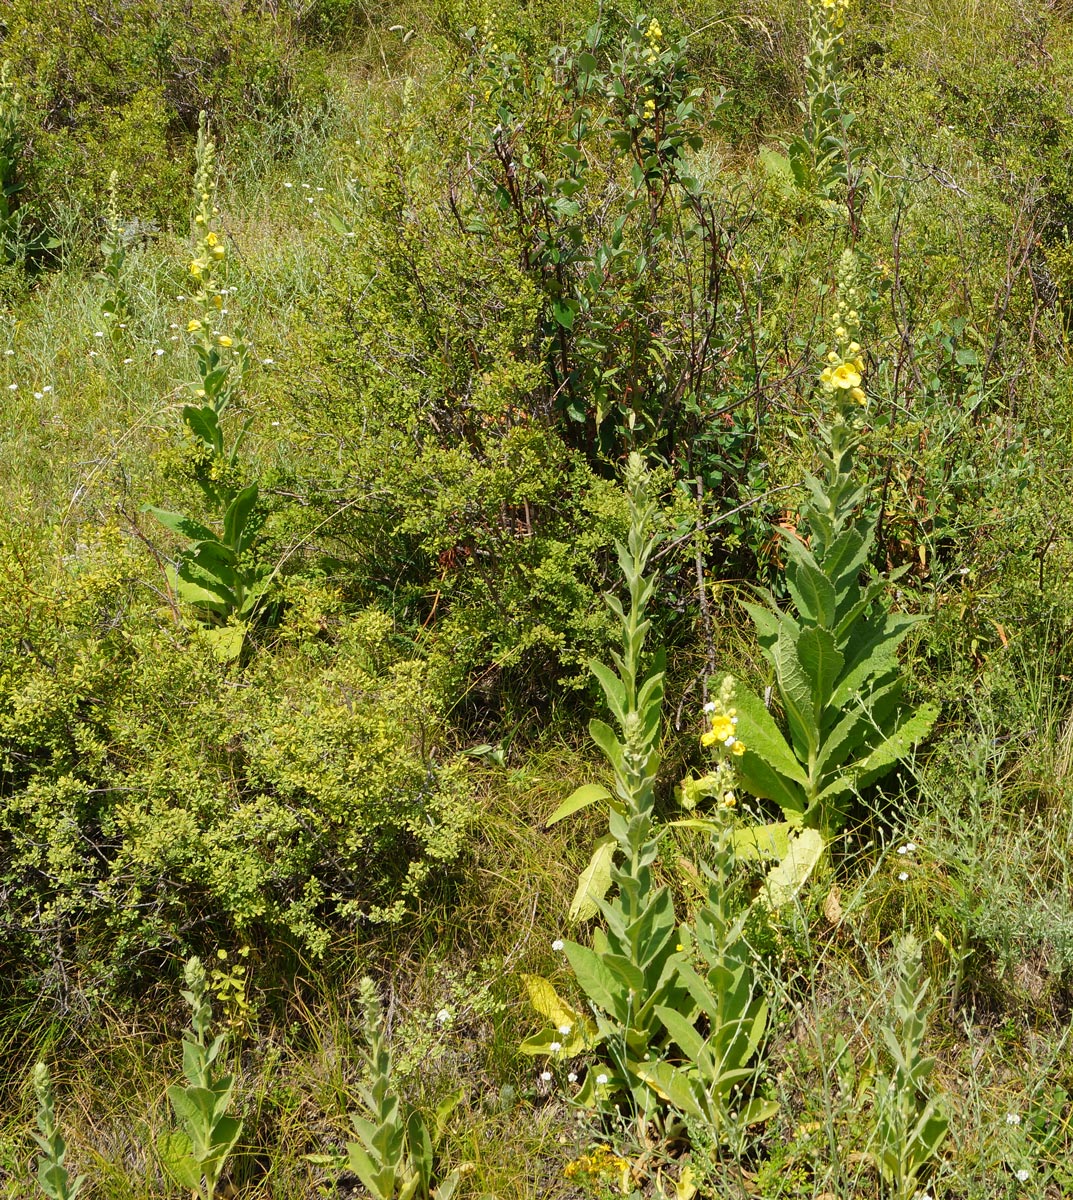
{"type": "Point", "coordinates": [221, 356]}
{"type": "Point", "coordinates": [677, 1018]}
{"type": "Point", "coordinates": [834, 650]}
{"type": "Point", "coordinates": [215, 573]}
{"type": "Point", "coordinates": [818, 156]}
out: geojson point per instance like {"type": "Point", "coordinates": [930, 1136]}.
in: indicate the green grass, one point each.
{"type": "Point", "coordinates": [360, 388]}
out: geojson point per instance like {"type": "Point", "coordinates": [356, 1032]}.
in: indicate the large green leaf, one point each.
{"type": "Point", "coordinates": [614, 688]}
{"type": "Point", "coordinates": [581, 798]}
{"type": "Point", "coordinates": [178, 523]}
{"type": "Point", "coordinates": [757, 729]}
{"type": "Point", "coordinates": [682, 1032]}
{"type": "Point", "coordinates": [861, 719]}
{"type": "Point", "coordinates": [767, 622]}
{"type": "Point", "coordinates": [795, 688]}
{"type": "Point", "coordinates": [756, 843]}
{"type": "Point", "coordinates": [674, 1086]}
{"type": "Point", "coordinates": [761, 781]}
{"type": "Point", "coordinates": [236, 519]}
{"type": "Point", "coordinates": [226, 642]}
{"type": "Point", "coordinates": [844, 559]}
{"type": "Point", "coordinates": [205, 424]}
{"type": "Point", "coordinates": [870, 653]}
{"type": "Point", "coordinates": [822, 661]}
{"type": "Point", "coordinates": [599, 983]}
{"type": "Point", "coordinates": [652, 932]}
{"type": "Point", "coordinates": [912, 729]}
{"type": "Point", "coordinates": [174, 1149]}
{"type": "Point", "coordinates": [787, 879]}
{"type": "Point", "coordinates": [813, 593]}
{"type": "Point", "coordinates": [594, 881]}
{"type": "Point", "coordinates": [604, 736]}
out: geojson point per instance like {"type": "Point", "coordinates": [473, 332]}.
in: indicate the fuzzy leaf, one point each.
{"type": "Point", "coordinates": [821, 661]}
{"type": "Point", "coordinates": [594, 881]}
{"type": "Point", "coordinates": [914, 728]}
{"type": "Point", "coordinates": [237, 517]}
{"type": "Point", "coordinates": [581, 798]}
{"type": "Point", "coordinates": [178, 523]}
{"type": "Point", "coordinates": [789, 877]}
{"type": "Point", "coordinates": [599, 983]}
{"type": "Point", "coordinates": [757, 729]}
{"type": "Point", "coordinates": [795, 688]}
{"type": "Point", "coordinates": [758, 842]}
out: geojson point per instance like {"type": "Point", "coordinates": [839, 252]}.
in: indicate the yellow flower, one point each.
{"type": "Point", "coordinates": [194, 327]}
{"type": "Point", "coordinates": [738, 748]}
{"type": "Point", "coordinates": [858, 395]}
{"type": "Point", "coordinates": [196, 267]}
{"type": "Point", "coordinates": [708, 738]}
{"type": "Point", "coordinates": [650, 109]}
{"type": "Point", "coordinates": [845, 377]}
{"type": "Point", "coordinates": [224, 340]}
{"type": "Point", "coordinates": [654, 33]}
{"type": "Point", "coordinates": [211, 239]}
{"type": "Point", "coordinates": [722, 728]}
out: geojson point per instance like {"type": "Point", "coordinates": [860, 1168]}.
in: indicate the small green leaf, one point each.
{"type": "Point", "coordinates": [564, 312]}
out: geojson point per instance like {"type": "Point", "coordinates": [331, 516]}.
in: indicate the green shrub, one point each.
{"type": "Point", "coordinates": [119, 85]}
{"type": "Point", "coordinates": [151, 798]}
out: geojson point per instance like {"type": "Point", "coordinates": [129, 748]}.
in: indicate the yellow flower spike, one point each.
{"type": "Point", "coordinates": [654, 33]}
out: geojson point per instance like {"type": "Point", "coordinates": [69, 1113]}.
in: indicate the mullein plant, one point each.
{"type": "Point", "coordinates": [821, 155]}
{"type": "Point", "coordinates": [911, 1121]}
{"type": "Point", "coordinates": [53, 1177]}
{"type": "Point", "coordinates": [116, 305]}
{"type": "Point", "coordinates": [631, 969]}
{"type": "Point", "coordinates": [645, 997]}
{"type": "Point", "coordinates": [833, 650]}
{"type": "Point", "coordinates": [195, 1154]}
{"type": "Point", "coordinates": [395, 1154]}
{"type": "Point", "coordinates": [216, 574]}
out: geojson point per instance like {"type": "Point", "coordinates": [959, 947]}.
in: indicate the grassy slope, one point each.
{"type": "Point", "coordinates": [990, 818]}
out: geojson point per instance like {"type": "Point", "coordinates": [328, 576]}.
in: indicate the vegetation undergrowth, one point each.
{"type": "Point", "coordinates": [391, 397]}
